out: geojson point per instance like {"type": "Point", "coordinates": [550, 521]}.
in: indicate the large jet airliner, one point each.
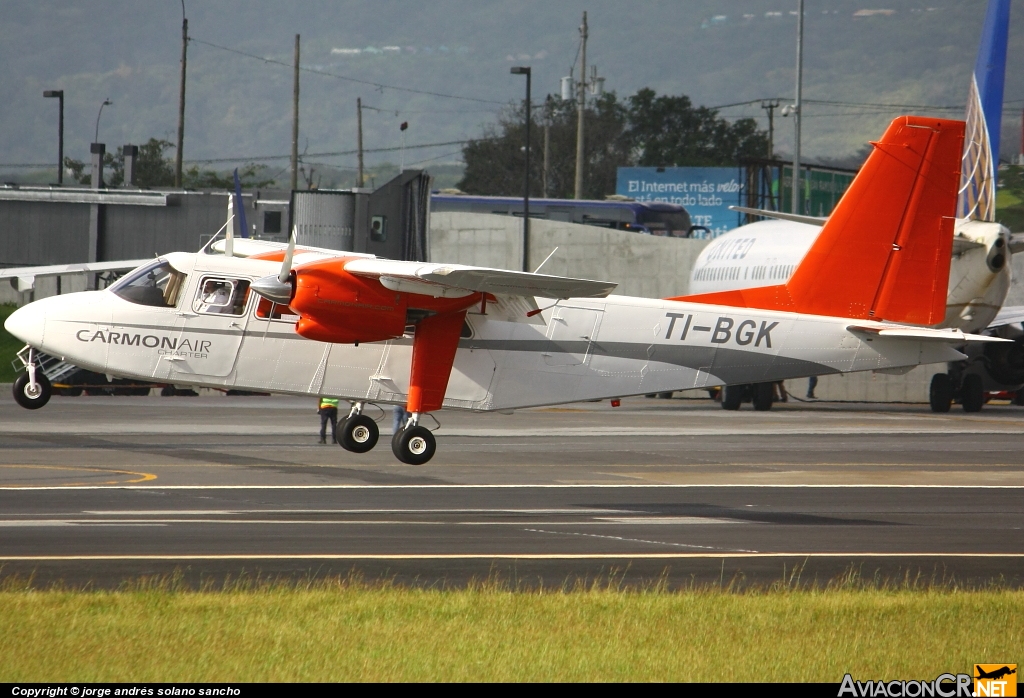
{"type": "Point", "coordinates": [767, 252]}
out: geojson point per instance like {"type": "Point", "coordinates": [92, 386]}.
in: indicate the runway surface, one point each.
{"type": "Point", "coordinates": [100, 490]}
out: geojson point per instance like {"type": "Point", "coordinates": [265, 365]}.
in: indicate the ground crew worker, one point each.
{"type": "Point", "coordinates": [328, 411]}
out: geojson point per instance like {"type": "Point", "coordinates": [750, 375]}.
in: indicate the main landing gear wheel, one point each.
{"type": "Point", "coordinates": [972, 393]}
{"type": "Point", "coordinates": [940, 393]}
{"type": "Point", "coordinates": [32, 397]}
{"type": "Point", "coordinates": [732, 397]}
{"type": "Point", "coordinates": [414, 445]}
{"type": "Point", "coordinates": [358, 434]}
{"type": "Point", "coordinates": [764, 396]}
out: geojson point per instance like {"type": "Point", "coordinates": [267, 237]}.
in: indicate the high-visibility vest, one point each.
{"type": "Point", "coordinates": [328, 402]}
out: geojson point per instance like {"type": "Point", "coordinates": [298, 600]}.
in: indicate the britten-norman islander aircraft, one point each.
{"type": "Point", "coordinates": [320, 322]}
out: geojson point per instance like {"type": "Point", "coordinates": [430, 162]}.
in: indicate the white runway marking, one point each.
{"type": "Point", "coordinates": [638, 540]}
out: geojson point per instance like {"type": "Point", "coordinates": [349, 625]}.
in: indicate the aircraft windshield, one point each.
{"type": "Point", "coordinates": [158, 285]}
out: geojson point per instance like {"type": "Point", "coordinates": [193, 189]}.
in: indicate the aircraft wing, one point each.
{"type": "Point", "coordinates": [26, 275]}
{"type": "Point", "coordinates": [793, 217]}
{"type": "Point", "coordinates": [1007, 315]}
{"type": "Point", "coordinates": [950, 336]}
{"type": "Point", "coordinates": [456, 279]}
{"type": "Point", "coordinates": [1016, 243]}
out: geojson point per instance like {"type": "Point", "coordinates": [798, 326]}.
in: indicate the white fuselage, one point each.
{"type": "Point", "coordinates": [767, 253]}
{"type": "Point", "coordinates": [578, 350]}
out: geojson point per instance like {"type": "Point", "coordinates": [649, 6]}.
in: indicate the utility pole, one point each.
{"type": "Point", "coordinates": [797, 117]}
{"type": "Point", "coordinates": [580, 107]}
{"type": "Point", "coordinates": [770, 106]}
{"type": "Point", "coordinates": [359, 130]}
{"type": "Point", "coordinates": [181, 98]}
{"type": "Point", "coordinates": [295, 120]}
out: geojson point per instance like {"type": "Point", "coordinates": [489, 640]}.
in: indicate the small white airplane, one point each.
{"type": "Point", "coordinates": [319, 322]}
{"type": "Point", "coordinates": [768, 252]}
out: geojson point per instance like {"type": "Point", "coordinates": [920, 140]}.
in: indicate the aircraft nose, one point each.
{"type": "Point", "coordinates": [26, 323]}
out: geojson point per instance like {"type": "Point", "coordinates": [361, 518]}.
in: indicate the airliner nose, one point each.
{"type": "Point", "coordinates": [26, 323]}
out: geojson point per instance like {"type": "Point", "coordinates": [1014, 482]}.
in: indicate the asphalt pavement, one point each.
{"type": "Point", "coordinates": [99, 491]}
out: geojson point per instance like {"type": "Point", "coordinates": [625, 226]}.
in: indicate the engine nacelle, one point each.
{"type": "Point", "coordinates": [343, 308]}
{"type": "Point", "coordinates": [1005, 361]}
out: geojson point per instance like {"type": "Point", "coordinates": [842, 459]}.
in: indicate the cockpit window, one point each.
{"type": "Point", "coordinates": [158, 285]}
{"type": "Point", "coordinates": [222, 296]}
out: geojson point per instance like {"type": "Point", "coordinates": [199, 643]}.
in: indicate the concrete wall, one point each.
{"type": "Point", "coordinates": [643, 265]}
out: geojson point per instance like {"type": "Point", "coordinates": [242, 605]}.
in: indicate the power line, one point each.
{"type": "Point", "coordinates": [347, 78]}
{"type": "Point", "coordinates": [339, 153]}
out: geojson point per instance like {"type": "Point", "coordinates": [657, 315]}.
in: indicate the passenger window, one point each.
{"type": "Point", "coordinates": [158, 285]}
{"type": "Point", "coordinates": [220, 296]}
{"type": "Point", "coordinates": [275, 311]}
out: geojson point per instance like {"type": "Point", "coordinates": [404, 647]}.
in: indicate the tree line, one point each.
{"type": "Point", "coordinates": [645, 129]}
{"type": "Point", "coordinates": [154, 169]}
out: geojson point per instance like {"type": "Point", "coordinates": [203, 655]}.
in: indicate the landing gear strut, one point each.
{"type": "Point", "coordinates": [412, 443]}
{"type": "Point", "coordinates": [358, 433]}
{"type": "Point", "coordinates": [32, 390]}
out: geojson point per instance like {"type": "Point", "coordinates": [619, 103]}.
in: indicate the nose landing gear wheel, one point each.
{"type": "Point", "coordinates": [32, 397]}
{"type": "Point", "coordinates": [414, 445]}
{"type": "Point", "coordinates": [358, 434]}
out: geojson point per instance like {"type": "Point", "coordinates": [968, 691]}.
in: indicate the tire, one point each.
{"type": "Point", "coordinates": [414, 445]}
{"type": "Point", "coordinates": [940, 393]}
{"type": "Point", "coordinates": [667, 395]}
{"type": "Point", "coordinates": [358, 434]}
{"type": "Point", "coordinates": [763, 395]}
{"type": "Point", "coordinates": [972, 393]}
{"type": "Point", "coordinates": [167, 391]}
{"type": "Point", "coordinates": [733, 397]}
{"type": "Point", "coordinates": [28, 400]}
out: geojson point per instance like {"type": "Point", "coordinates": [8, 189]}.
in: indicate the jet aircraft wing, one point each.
{"type": "Point", "coordinates": [793, 217]}
{"type": "Point", "coordinates": [1007, 315]}
{"type": "Point", "coordinates": [445, 278]}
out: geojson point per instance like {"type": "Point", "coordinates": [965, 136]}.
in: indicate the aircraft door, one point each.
{"type": "Point", "coordinates": [571, 332]}
{"type": "Point", "coordinates": [212, 326]}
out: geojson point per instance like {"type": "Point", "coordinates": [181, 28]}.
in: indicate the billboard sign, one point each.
{"type": "Point", "coordinates": [705, 192]}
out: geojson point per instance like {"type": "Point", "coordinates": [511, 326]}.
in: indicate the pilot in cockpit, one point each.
{"type": "Point", "coordinates": [216, 297]}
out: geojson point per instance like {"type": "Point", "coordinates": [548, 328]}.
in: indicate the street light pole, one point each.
{"type": "Point", "coordinates": [96, 136]}
{"type": "Point", "coordinates": [797, 116]}
{"type": "Point", "coordinates": [525, 70]}
{"type": "Point", "coordinates": [59, 94]}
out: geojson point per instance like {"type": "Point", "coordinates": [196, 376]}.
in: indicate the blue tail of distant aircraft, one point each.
{"type": "Point", "coordinates": [984, 117]}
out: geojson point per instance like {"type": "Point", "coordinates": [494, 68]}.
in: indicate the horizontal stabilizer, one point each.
{"type": "Point", "coordinates": [478, 279]}
{"type": "Point", "coordinates": [950, 336]}
{"type": "Point", "coordinates": [793, 217]}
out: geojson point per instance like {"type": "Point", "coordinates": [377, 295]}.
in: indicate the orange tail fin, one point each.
{"type": "Point", "coordinates": [884, 253]}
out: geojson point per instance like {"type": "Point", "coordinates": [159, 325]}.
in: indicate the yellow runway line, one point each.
{"type": "Point", "coordinates": [139, 477]}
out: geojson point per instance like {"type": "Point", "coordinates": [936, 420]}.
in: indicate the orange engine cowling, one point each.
{"type": "Point", "coordinates": [342, 308]}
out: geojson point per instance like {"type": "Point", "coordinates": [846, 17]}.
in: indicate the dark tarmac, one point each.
{"type": "Point", "coordinates": [99, 491]}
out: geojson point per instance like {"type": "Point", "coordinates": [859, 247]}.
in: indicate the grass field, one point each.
{"type": "Point", "coordinates": [353, 632]}
{"type": "Point", "coordinates": [9, 346]}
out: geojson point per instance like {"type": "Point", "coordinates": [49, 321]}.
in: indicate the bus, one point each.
{"type": "Point", "coordinates": [649, 218]}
